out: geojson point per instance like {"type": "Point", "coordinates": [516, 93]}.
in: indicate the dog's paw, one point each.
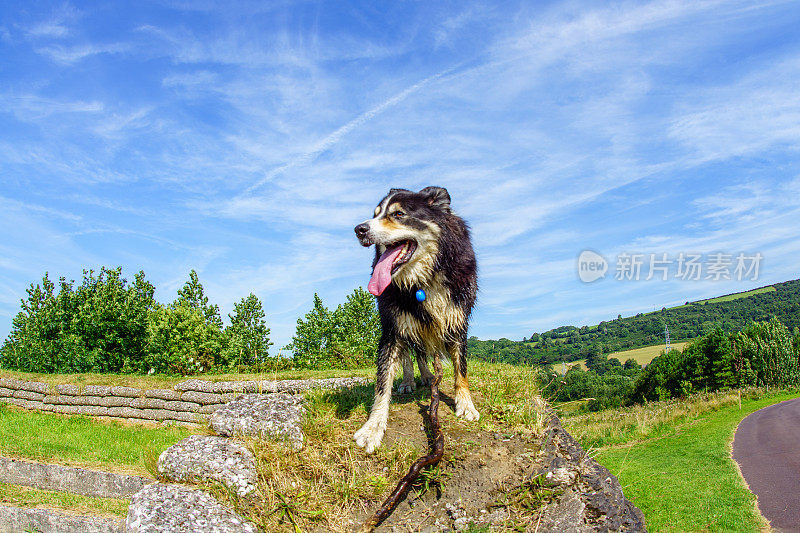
{"type": "Point", "coordinates": [465, 409]}
{"type": "Point", "coordinates": [369, 437]}
{"type": "Point", "coordinates": [406, 387]}
{"type": "Point", "coordinates": [426, 380]}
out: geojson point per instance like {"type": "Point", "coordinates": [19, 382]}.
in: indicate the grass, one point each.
{"type": "Point", "coordinates": [673, 458]}
{"type": "Point", "coordinates": [736, 296]}
{"type": "Point", "coordinates": [83, 441]}
{"type": "Point", "coordinates": [17, 496]}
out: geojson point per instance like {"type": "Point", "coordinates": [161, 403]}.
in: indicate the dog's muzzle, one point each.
{"type": "Point", "coordinates": [362, 232]}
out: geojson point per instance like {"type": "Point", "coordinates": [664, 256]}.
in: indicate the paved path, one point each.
{"type": "Point", "coordinates": [767, 448]}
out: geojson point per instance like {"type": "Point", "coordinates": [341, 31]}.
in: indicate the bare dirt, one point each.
{"type": "Point", "coordinates": [470, 484]}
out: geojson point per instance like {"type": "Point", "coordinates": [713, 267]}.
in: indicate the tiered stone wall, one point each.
{"type": "Point", "coordinates": [189, 401]}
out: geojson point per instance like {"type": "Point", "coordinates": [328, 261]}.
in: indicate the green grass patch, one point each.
{"type": "Point", "coordinates": [736, 296]}
{"type": "Point", "coordinates": [83, 441]}
{"type": "Point", "coordinates": [673, 459]}
{"type": "Point", "coordinates": [18, 496]}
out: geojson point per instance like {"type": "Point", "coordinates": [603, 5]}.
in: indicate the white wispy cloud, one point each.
{"type": "Point", "coordinates": [68, 55]}
{"type": "Point", "coordinates": [57, 25]}
{"type": "Point", "coordinates": [33, 107]}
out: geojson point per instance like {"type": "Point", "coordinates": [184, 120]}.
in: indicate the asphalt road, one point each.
{"type": "Point", "coordinates": [767, 448]}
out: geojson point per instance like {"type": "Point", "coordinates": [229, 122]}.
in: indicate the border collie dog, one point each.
{"type": "Point", "coordinates": [425, 278]}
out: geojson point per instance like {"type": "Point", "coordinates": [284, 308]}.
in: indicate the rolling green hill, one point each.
{"type": "Point", "coordinates": [569, 343]}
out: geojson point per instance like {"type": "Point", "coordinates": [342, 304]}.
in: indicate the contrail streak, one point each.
{"type": "Point", "coordinates": [336, 136]}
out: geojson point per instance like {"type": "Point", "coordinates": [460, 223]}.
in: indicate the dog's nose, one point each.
{"type": "Point", "coordinates": [361, 230]}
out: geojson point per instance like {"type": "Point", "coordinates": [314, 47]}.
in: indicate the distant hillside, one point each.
{"type": "Point", "coordinates": [732, 312]}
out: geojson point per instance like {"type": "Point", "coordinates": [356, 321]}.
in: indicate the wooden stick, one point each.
{"type": "Point", "coordinates": [404, 485]}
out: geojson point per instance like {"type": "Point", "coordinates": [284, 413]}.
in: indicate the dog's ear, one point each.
{"type": "Point", "coordinates": [436, 197]}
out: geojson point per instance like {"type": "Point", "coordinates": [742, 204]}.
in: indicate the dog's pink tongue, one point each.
{"type": "Point", "coordinates": [382, 273]}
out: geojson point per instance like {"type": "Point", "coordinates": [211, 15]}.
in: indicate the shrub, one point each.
{"type": "Point", "coordinates": [603, 391]}
{"type": "Point", "coordinates": [766, 348]}
{"type": "Point", "coordinates": [100, 326]}
{"type": "Point", "coordinates": [180, 341]}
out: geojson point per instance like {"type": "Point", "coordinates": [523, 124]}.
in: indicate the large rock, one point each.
{"type": "Point", "coordinates": [168, 508]}
{"type": "Point", "coordinates": [590, 497]}
{"type": "Point", "coordinates": [262, 415]}
{"type": "Point", "coordinates": [210, 458]}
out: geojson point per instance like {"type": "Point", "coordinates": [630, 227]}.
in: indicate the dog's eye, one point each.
{"type": "Point", "coordinates": [398, 214]}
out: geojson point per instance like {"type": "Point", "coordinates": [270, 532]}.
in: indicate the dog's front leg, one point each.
{"type": "Point", "coordinates": [464, 405]}
{"type": "Point", "coordinates": [370, 435]}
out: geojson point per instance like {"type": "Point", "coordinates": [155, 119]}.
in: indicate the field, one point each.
{"type": "Point", "coordinates": [83, 442]}
{"type": "Point", "coordinates": [160, 381]}
{"type": "Point", "coordinates": [643, 356]}
{"type": "Point", "coordinates": [673, 459]}
{"type": "Point", "coordinates": [736, 296]}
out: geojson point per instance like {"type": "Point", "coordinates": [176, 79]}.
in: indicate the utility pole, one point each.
{"type": "Point", "coordinates": [666, 338]}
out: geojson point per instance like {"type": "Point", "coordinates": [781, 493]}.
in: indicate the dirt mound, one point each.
{"type": "Point", "coordinates": [481, 470]}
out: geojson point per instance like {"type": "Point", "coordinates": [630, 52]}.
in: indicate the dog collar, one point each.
{"type": "Point", "coordinates": [420, 295]}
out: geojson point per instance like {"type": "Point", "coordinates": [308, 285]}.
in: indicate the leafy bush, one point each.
{"type": "Point", "coordinates": [100, 326]}
{"type": "Point", "coordinates": [765, 354]}
{"type": "Point", "coordinates": [185, 337]}
{"type": "Point", "coordinates": [602, 391]}
{"type": "Point", "coordinates": [109, 325]}
{"type": "Point", "coordinates": [180, 341]}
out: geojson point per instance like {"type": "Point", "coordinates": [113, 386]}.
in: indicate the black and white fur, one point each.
{"type": "Point", "coordinates": [442, 263]}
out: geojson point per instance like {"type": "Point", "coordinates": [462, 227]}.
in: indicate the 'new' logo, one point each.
{"type": "Point", "coordinates": [591, 266]}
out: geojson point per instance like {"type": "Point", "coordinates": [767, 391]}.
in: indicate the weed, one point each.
{"type": "Point", "coordinates": [434, 477]}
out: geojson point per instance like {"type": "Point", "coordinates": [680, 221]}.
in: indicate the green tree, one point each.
{"type": "Point", "coordinates": [767, 347]}
{"type": "Point", "coordinates": [631, 364]}
{"type": "Point", "coordinates": [313, 336]}
{"type": "Point", "coordinates": [344, 338]}
{"type": "Point", "coordinates": [193, 295]}
{"type": "Point", "coordinates": [356, 330]}
{"type": "Point", "coordinates": [247, 338]}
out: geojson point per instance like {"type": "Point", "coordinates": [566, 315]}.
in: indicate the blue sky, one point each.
{"type": "Point", "coordinates": [246, 139]}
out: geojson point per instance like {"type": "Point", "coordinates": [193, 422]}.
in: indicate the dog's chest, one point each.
{"type": "Point", "coordinates": [444, 323]}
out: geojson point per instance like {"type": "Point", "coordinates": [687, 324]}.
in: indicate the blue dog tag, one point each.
{"type": "Point", "coordinates": [420, 295]}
